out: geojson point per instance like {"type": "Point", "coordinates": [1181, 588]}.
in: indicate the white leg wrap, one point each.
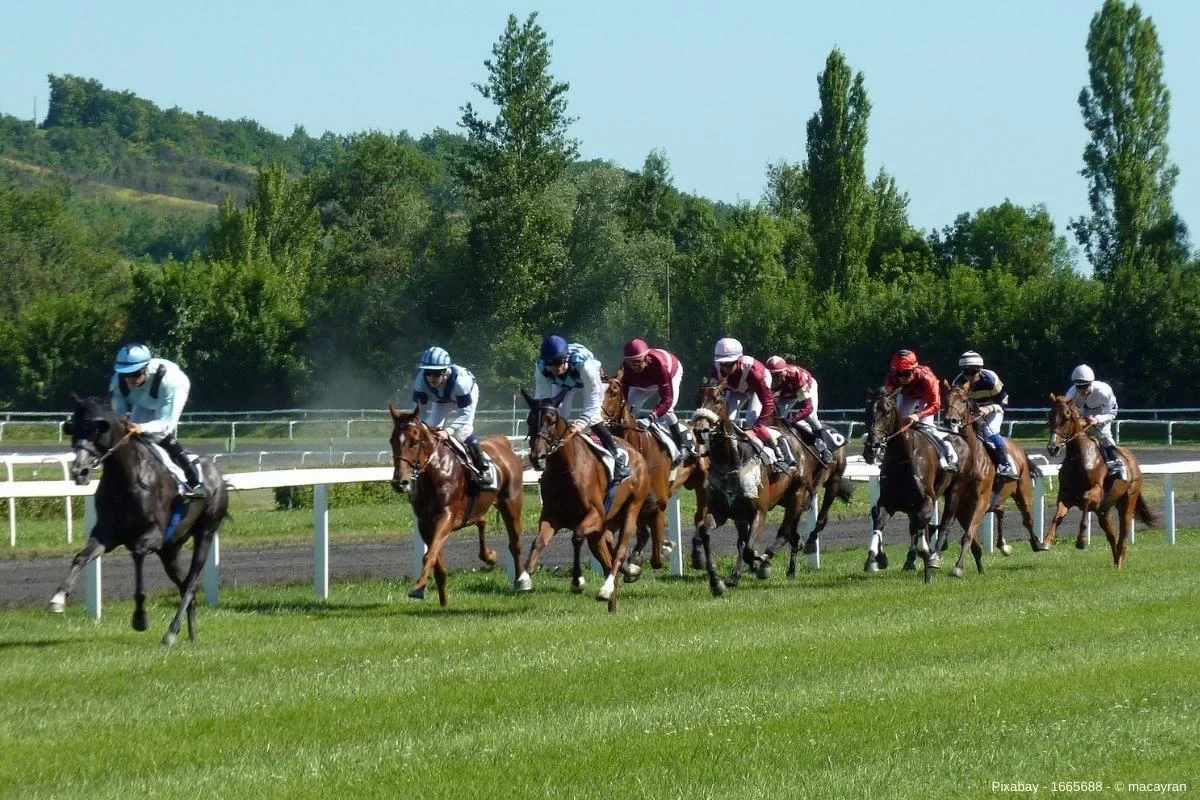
{"type": "Point", "coordinates": [876, 541]}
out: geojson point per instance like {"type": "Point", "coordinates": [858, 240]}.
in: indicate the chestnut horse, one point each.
{"type": "Point", "coordinates": [576, 495]}
{"type": "Point", "coordinates": [1084, 481]}
{"type": "Point", "coordinates": [811, 478]}
{"type": "Point", "coordinates": [977, 491]}
{"type": "Point", "coordinates": [445, 499]}
{"type": "Point", "coordinates": [742, 488]}
{"type": "Point", "coordinates": [665, 482]}
{"type": "Point", "coordinates": [909, 480]}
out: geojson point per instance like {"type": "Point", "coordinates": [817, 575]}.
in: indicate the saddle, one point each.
{"type": "Point", "coordinates": [173, 468]}
{"type": "Point", "coordinates": [665, 439]}
{"type": "Point", "coordinates": [605, 457]}
{"type": "Point", "coordinates": [464, 458]}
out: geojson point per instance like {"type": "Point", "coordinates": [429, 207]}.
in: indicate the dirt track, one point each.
{"type": "Point", "coordinates": [34, 580]}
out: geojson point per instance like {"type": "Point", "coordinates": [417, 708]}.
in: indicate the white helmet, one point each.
{"type": "Point", "coordinates": [727, 350]}
{"type": "Point", "coordinates": [132, 358]}
{"type": "Point", "coordinates": [1082, 375]}
{"type": "Point", "coordinates": [435, 359]}
{"type": "Point", "coordinates": [970, 359]}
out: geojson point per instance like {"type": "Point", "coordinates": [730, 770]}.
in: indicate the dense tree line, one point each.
{"type": "Point", "coordinates": [348, 255]}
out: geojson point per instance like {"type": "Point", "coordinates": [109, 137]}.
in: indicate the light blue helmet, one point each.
{"type": "Point", "coordinates": [132, 358]}
{"type": "Point", "coordinates": [435, 358]}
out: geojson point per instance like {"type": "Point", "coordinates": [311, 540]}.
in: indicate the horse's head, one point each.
{"type": "Point", "coordinates": [548, 428]}
{"type": "Point", "coordinates": [413, 447]}
{"type": "Point", "coordinates": [95, 431]}
{"type": "Point", "coordinates": [958, 405]}
{"type": "Point", "coordinates": [710, 409]}
{"type": "Point", "coordinates": [881, 423]}
{"type": "Point", "coordinates": [1065, 423]}
{"type": "Point", "coordinates": [613, 407]}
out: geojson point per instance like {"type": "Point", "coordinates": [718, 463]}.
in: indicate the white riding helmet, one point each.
{"type": "Point", "coordinates": [132, 358]}
{"type": "Point", "coordinates": [435, 358]}
{"type": "Point", "coordinates": [970, 359]}
{"type": "Point", "coordinates": [727, 351]}
{"type": "Point", "coordinates": [1082, 375]}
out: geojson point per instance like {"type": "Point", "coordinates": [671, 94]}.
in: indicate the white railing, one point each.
{"type": "Point", "coordinates": [320, 479]}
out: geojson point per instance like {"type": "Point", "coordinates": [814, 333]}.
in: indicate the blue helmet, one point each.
{"type": "Point", "coordinates": [132, 358]}
{"type": "Point", "coordinates": [435, 358]}
{"type": "Point", "coordinates": [554, 348]}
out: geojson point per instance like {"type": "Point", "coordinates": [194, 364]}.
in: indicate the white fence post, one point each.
{"type": "Point", "coordinates": [1039, 508]}
{"type": "Point", "coordinates": [91, 573]}
{"type": "Point", "coordinates": [212, 572]}
{"type": "Point", "coordinates": [1169, 507]}
{"type": "Point", "coordinates": [675, 534]}
{"type": "Point", "coordinates": [321, 540]}
{"type": "Point", "coordinates": [419, 549]}
{"type": "Point", "coordinates": [12, 510]}
{"type": "Point", "coordinates": [989, 532]}
{"type": "Point", "coordinates": [814, 558]}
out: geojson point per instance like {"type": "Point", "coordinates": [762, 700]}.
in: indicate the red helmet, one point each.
{"type": "Point", "coordinates": [904, 360]}
{"type": "Point", "coordinates": [636, 350]}
{"type": "Point", "coordinates": [776, 364]}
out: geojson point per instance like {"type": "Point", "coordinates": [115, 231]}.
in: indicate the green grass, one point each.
{"type": "Point", "coordinates": [1051, 667]}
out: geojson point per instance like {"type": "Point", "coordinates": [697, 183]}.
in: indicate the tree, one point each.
{"type": "Point", "coordinates": [838, 200]}
{"type": "Point", "coordinates": [1008, 237]}
{"type": "Point", "coordinates": [1126, 108]}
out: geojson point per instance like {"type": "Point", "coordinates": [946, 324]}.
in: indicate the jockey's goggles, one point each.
{"type": "Point", "coordinates": [908, 373]}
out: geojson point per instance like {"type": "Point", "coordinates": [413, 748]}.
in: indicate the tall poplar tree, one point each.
{"type": "Point", "coordinates": [838, 199]}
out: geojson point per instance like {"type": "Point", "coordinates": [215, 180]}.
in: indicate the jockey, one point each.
{"type": "Point", "coordinates": [649, 373]}
{"type": "Point", "coordinates": [748, 383]}
{"type": "Point", "coordinates": [918, 399]}
{"type": "Point", "coordinates": [151, 393]}
{"type": "Point", "coordinates": [987, 397]}
{"type": "Point", "coordinates": [795, 391]}
{"type": "Point", "coordinates": [574, 368]}
{"type": "Point", "coordinates": [446, 396]}
{"type": "Point", "coordinates": [1098, 406]}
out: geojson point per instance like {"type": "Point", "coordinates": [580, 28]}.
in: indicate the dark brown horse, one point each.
{"type": "Point", "coordinates": [575, 495]}
{"type": "Point", "coordinates": [910, 481]}
{"type": "Point", "coordinates": [666, 479]}
{"type": "Point", "coordinates": [444, 498]}
{"type": "Point", "coordinates": [1084, 481]}
{"type": "Point", "coordinates": [742, 489]}
{"type": "Point", "coordinates": [977, 491]}
{"type": "Point", "coordinates": [811, 477]}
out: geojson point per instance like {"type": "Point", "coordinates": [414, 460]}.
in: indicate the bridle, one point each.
{"type": "Point", "coordinates": [88, 446]}
{"type": "Point", "coordinates": [426, 440]}
{"type": "Point", "coordinates": [1056, 432]}
{"type": "Point", "coordinates": [546, 433]}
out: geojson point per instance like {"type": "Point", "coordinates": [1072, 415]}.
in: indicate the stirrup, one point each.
{"type": "Point", "coordinates": [197, 492]}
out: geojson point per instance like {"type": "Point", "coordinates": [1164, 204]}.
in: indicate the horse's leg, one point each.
{"type": "Point", "coordinates": [715, 584]}
{"type": "Point", "coordinates": [169, 556]}
{"type": "Point", "coordinates": [699, 545]}
{"type": "Point", "coordinates": [92, 550]}
{"type": "Point", "coordinates": [435, 533]}
{"type": "Point", "coordinates": [140, 623]}
{"type": "Point", "coordinates": [827, 498]}
{"type": "Point", "coordinates": [544, 535]}
{"type": "Point", "coordinates": [1081, 540]}
{"type": "Point", "coordinates": [743, 527]}
{"type": "Point", "coordinates": [439, 575]}
{"type": "Point", "coordinates": [1060, 513]}
{"type": "Point", "coordinates": [510, 513]}
{"type": "Point", "coordinates": [486, 554]}
{"type": "Point", "coordinates": [1127, 511]}
{"type": "Point", "coordinates": [658, 537]}
{"type": "Point", "coordinates": [1024, 499]}
{"type": "Point", "coordinates": [201, 543]}
{"type": "Point", "coordinates": [1106, 525]}
{"type": "Point", "coordinates": [876, 558]}
{"type": "Point", "coordinates": [610, 590]}
{"type": "Point", "coordinates": [590, 530]}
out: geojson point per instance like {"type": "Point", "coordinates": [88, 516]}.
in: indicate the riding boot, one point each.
{"type": "Point", "coordinates": [787, 459]}
{"type": "Point", "coordinates": [620, 457]}
{"type": "Point", "coordinates": [1113, 461]}
{"type": "Point", "coordinates": [949, 458]}
{"type": "Point", "coordinates": [194, 488]}
{"type": "Point", "coordinates": [682, 440]}
{"type": "Point", "coordinates": [999, 453]}
{"type": "Point", "coordinates": [486, 478]}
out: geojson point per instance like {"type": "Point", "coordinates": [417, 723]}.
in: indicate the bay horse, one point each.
{"type": "Point", "coordinates": [666, 479]}
{"type": "Point", "coordinates": [444, 498]}
{"type": "Point", "coordinates": [1084, 481]}
{"type": "Point", "coordinates": [812, 477]}
{"type": "Point", "coordinates": [138, 505]}
{"type": "Point", "coordinates": [910, 481]}
{"type": "Point", "coordinates": [741, 488]}
{"type": "Point", "coordinates": [576, 495]}
{"type": "Point", "coordinates": [977, 490]}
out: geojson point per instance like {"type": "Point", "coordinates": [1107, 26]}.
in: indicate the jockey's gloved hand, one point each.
{"type": "Point", "coordinates": [645, 420]}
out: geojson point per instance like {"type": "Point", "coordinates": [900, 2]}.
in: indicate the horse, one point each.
{"type": "Point", "coordinates": [910, 480]}
{"type": "Point", "coordinates": [666, 479]}
{"type": "Point", "coordinates": [138, 505]}
{"type": "Point", "coordinates": [576, 494]}
{"type": "Point", "coordinates": [812, 477]}
{"type": "Point", "coordinates": [444, 498]}
{"type": "Point", "coordinates": [977, 490]}
{"type": "Point", "coordinates": [1084, 481]}
{"type": "Point", "coordinates": [741, 488]}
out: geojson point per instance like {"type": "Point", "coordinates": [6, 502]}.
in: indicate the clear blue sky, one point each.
{"type": "Point", "coordinates": [973, 102]}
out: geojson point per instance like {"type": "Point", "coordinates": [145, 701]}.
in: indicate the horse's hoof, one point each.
{"type": "Point", "coordinates": [697, 561]}
{"type": "Point", "coordinates": [791, 574]}
{"type": "Point", "coordinates": [635, 560]}
{"type": "Point", "coordinates": [417, 593]}
{"type": "Point", "coordinates": [810, 547]}
{"type": "Point", "coordinates": [762, 569]}
{"type": "Point", "coordinates": [882, 559]}
{"type": "Point", "coordinates": [955, 572]}
{"type": "Point", "coordinates": [934, 561]}
{"type": "Point", "coordinates": [631, 572]}
{"type": "Point", "coordinates": [872, 564]}
{"type": "Point", "coordinates": [577, 584]}
{"type": "Point", "coordinates": [1006, 549]}
{"type": "Point", "coordinates": [717, 587]}
{"type": "Point", "coordinates": [732, 581]}
{"type": "Point", "coordinates": [1080, 544]}
{"type": "Point", "coordinates": [606, 592]}
{"type": "Point", "coordinates": [58, 604]}
{"type": "Point", "coordinates": [1038, 547]}
{"type": "Point", "coordinates": [169, 638]}
{"type": "Point", "coordinates": [140, 621]}
{"type": "Point", "coordinates": [929, 573]}
{"type": "Point", "coordinates": [523, 583]}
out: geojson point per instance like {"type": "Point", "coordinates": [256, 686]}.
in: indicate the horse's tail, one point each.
{"type": "Point", "coordinates": [1145, 513]}
{"type": "Point", "coordinates": [844, 490]}
{"type": "Point", "coordinates": [1035, 469]}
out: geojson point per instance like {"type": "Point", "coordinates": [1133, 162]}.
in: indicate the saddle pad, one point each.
{"type": "Point", "coordinates": [460, 451]}
{"type": "Point", "coordinates": [175, 470]}
{"type": "Point", "coordinates": [602, 453]}
{"type": "Point", "coordinates": [664, 437]}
